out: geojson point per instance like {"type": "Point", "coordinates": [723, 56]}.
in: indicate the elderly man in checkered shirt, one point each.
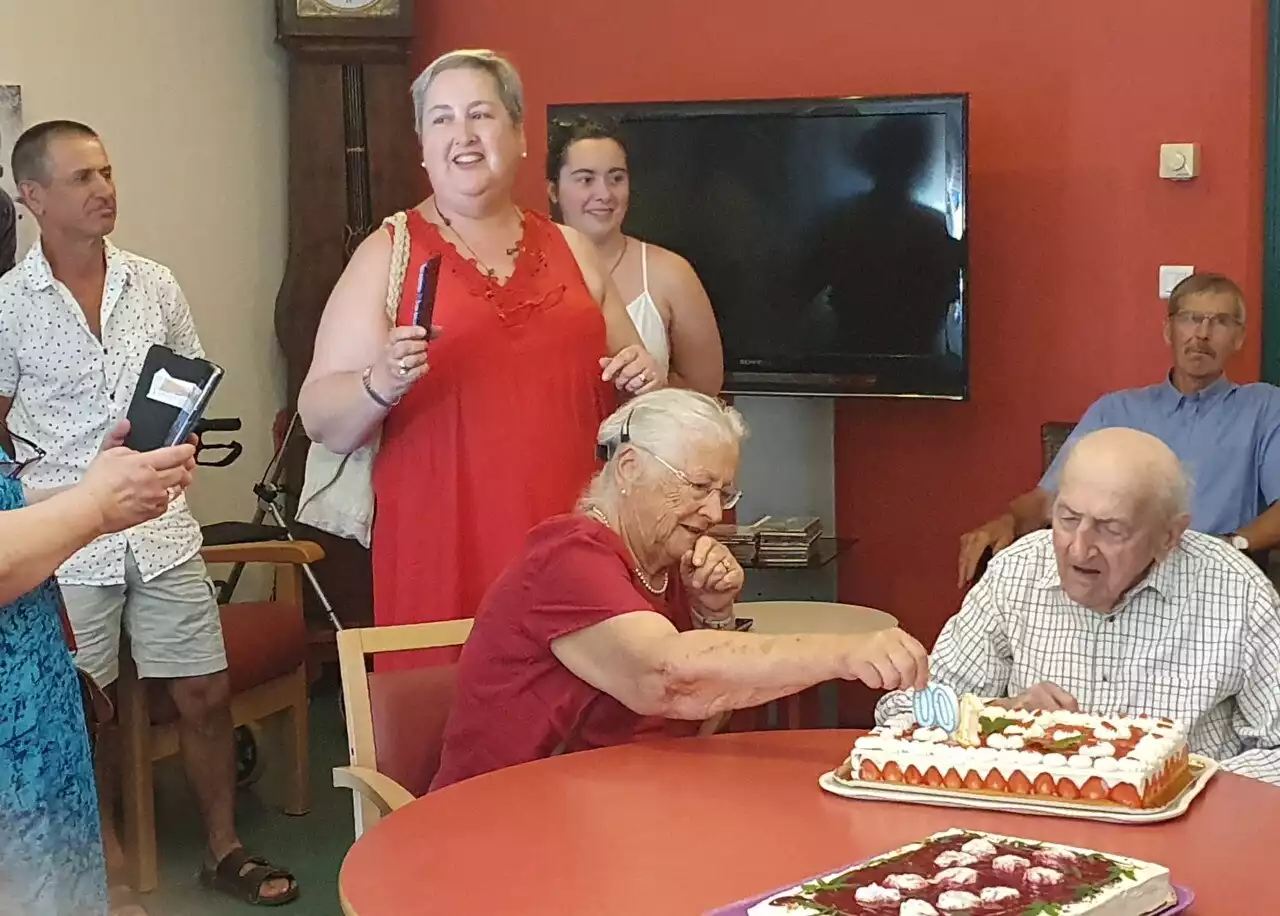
{"type": "Point", "coordinates": [1119, 608]}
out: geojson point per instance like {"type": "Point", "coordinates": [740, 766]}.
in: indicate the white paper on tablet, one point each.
{"type": "Point", "coordinates": [175, 392]}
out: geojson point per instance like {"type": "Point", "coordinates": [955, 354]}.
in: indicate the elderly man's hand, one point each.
{"type": "Point", "coordinates": [1043, 696]}
{"type": "Point", "coordinates": [711, 575]}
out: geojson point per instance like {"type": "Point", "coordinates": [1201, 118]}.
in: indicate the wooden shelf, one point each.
{"type": "Point", "coordinates": [828, 549]}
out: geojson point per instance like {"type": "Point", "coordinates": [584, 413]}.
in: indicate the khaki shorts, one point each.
{"type": "Point", "coordinates": [172, 621]}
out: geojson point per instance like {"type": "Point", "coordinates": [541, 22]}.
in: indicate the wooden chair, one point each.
{"type": "Point", "coordinates": [266, 662]}
{"type": "Point", "coordinates": [391, 765]}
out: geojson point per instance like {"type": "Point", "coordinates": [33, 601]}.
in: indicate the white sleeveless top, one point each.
{"type": "Point", "coordinates": [647, 319]}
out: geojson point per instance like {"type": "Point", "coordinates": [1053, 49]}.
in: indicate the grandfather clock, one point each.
{"type": "Point", "coordinates": [352, 161]}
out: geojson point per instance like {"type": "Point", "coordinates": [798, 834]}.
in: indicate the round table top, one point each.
{"type": "Point", "coordinates": [683, 826]}
{"type": "Point", "coordinates": [780, 618]}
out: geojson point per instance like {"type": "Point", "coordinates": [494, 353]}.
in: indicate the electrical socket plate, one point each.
{"type": "Point", "coordinates": [1171, 275]}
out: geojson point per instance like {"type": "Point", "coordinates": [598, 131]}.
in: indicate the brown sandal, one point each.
{"type": "Point", "coordinates": [242, 876]}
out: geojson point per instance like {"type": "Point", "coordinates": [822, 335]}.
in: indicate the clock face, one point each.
{"type": "Point", "coordinates": [338, 8]}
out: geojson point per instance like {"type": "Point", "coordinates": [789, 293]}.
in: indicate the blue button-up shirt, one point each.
{"type": "Point", "coordinates": [1226, 436]}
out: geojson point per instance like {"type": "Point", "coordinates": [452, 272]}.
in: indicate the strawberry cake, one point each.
{"type": "Point", "coordinates": [1131, 761]}
{"type": "Point", "coordinates": [967, 873]}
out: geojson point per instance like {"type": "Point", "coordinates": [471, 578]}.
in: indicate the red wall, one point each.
{"type": "Point", "coordinates": [1069, 221]}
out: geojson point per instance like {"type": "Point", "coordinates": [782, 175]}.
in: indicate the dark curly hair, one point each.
{"type": "Point", "coordinates": [565, 132]}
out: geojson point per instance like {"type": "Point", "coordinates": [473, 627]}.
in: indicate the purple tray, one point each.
{"type": "Point", "coordinates": [1185, 898]}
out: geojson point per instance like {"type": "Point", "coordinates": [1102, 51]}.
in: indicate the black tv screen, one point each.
{"type": "Point", "coordinates": [829, 233]}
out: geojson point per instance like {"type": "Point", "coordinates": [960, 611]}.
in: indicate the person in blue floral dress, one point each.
{"type": "Point", "coordinates": [50, 843]}
{"type": "Point", "coordinates": [51, 859]}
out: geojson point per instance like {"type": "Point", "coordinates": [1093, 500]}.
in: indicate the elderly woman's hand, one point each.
{"type": "Point", "coordinates": [711, 575]}
{"type": "Point", "coordinates": [633, 370]}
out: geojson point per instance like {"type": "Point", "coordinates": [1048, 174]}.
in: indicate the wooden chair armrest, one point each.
{"type": "Point", "coordinates": [387, 794]}
{"type": "Point", "coordinates": [294, 552]}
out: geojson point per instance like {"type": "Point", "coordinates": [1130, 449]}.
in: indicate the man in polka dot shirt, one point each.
{"type": "Point", "coordinates": [77, 317]}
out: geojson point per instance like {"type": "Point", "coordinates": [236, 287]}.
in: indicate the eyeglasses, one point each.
{"type": "Point", "coordinates": [1219, 321]}
{"type": "Point", "coordinates": [729, 495]}
{"type": "Point", "coordinates": [12, 468]}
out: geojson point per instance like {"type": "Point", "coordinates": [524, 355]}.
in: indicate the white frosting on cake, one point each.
{"type": "Point", "coordinates": [907, 882]}
{"type": "Point", "coordinates": [1085, 746]}
{"type": "Point", "coordinates": [981, 848]}
{"type": "Point", "coordinates": [953, 857]}
{"type": "Point", "coordinates": [917, 908]}
{"type": "Point", "coordinates": [874, 893]}
{"type": "Point", "coordinates": [958, 900]}
{"type": "Point", "coordinates": [1039, 874]}
{"type": "Point", "coordinates": [960, 876]}
{"type": "Point", "coordinates": [998, 894]}
{"type": "Point", "coordinates": [1053, 856]}
{"type": "Point", "coordinates": [1010, 863]}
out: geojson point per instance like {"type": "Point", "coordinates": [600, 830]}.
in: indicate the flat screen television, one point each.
{"type": "Point", "coordinates": [830, 234]}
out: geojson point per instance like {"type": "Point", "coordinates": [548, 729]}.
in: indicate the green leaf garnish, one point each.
{"type": "Point", "coordinates": [838, 883]}
{"type": "Point", "coordinates": [1066, 744]}
{"type": "Point", "coordinates": [1043, 909]}
{"type": "Point", "coordinates": [1119, 871]}
{"type": "Point", "coordinates": [991, 726]}
{"type": "Point", "coordinates": [1087, 892]}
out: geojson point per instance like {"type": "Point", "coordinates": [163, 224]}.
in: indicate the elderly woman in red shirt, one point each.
{"type": "Point", "coordinates": [620, 616]}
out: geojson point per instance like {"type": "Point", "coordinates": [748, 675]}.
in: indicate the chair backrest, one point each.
{"type": "Point", "coordinates": [396, 719]}
{"type": "Point", "coordinates": [1053, 436]}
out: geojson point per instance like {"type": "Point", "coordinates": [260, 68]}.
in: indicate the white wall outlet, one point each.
{"type": "Point", "coordinates": [1179, 161]}
{"type": "Point", "coordinates": [1171, 275]}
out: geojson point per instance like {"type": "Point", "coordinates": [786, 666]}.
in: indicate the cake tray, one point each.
{"type": "Point", "coordinates": [1202, 770]}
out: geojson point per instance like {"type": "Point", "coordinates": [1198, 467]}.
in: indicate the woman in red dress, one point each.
{"type": "Point", "coordinates": [490, 428]}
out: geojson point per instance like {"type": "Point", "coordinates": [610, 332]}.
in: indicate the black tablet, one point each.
{"type": "Point", "coordinates": [172, 394]}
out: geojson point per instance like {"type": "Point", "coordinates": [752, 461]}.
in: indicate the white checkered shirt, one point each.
{"type": "Point", "coordinates": [1198, 641]}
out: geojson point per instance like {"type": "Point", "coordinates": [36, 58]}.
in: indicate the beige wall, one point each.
{"type": "Point", "coordinates": [189, 96]}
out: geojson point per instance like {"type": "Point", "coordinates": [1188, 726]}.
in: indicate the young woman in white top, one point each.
{"type": "Point", "coordinates": [589, 187]}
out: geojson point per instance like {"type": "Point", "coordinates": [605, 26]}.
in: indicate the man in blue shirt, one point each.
{"type": "Point", "coordinates": [1227, 436]}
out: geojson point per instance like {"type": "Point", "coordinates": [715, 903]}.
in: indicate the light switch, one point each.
{"type": "Point", "coordinates": [1171, 275]}
{"type": "Point", "coordinates": [1179, 161]}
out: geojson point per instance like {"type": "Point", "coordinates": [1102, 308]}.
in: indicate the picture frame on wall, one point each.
{"type": "Point", "coordinates": [11, 126]}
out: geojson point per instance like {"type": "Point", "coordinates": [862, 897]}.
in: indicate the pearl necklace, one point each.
{"type": "Point", "coordinates": [640, 574]}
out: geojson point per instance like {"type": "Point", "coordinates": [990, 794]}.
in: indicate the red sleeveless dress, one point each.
{"type": "Point", "coordinates": [497, 437]}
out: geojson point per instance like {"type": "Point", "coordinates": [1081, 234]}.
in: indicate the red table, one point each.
{"type": "Point", "coordinates": [684, 826]}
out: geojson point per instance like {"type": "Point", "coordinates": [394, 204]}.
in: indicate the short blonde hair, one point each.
{"type": "Point", "coordinates": [504, 73]}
